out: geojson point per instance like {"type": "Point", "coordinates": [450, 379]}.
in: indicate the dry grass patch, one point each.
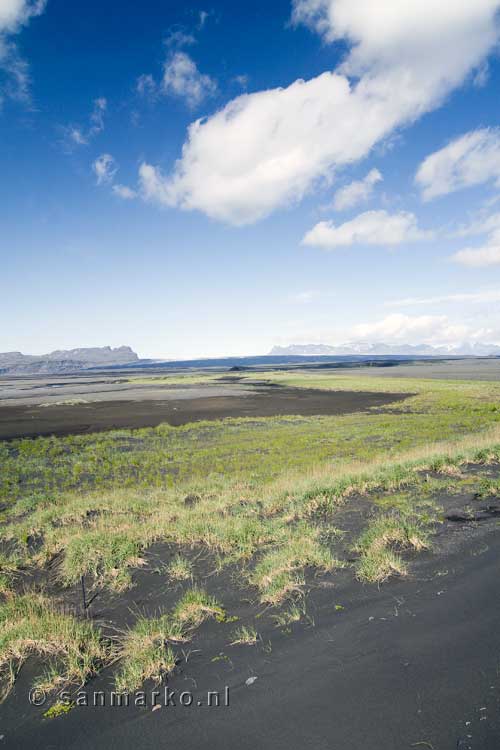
{"type": "Point", "coordinates": [380, 544]}
{"type": "Point", "coordinates": [32, 625]}
{"type": "Point", "coordinates": [146, 651]}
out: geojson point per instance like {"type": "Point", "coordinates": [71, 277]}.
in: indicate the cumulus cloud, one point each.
{"type": "Point", "coordinates": [369, 228]}
{"type": "Point", "coordinates": [104, 169]}
{"type": "Point", "coordinates": [472, 159]}
{"type": "Point", "coordinates": [14, 70]}
{"type": "Point", "coordinates": [436, 330]}
{"type": "Point", "coordinates": [480, 257]}
{"type": "Point", "coordinates": [356, 192]}
{"type": "Point", "coordinates": [268, 149]}
{"type": "Point", "coordinates": [181, 78]}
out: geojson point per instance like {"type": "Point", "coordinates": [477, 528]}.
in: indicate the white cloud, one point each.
{"type": "Point", "coordinates": [14, 14]}
{"type": "Point", "coordinates": [104, 169]}
{"type": "Point", "coordinates": [76, 135]}
{"type": "Point", "coordinates": [182, 78]}
{"type": "Point", "coordinates": [484, 224]}
{"type": "Point", "coordinates": [146, 85]}
{"type": "Point", "coordinates": [482, 297]}
{"type": "Point", "coordinates": [242, 80]}
{"type": "Point", "coordinates": [369, 228]}
{"type": "Point", "coordinates": [480, 257]}
{"type": "Point", "coordinates": [470, 160]}
{"type": "Point", "coordinates": [124, 192]}
{"type": "Point", "coordinates": [268, 149]}
{"type": "Point", "coordinates": [179, 38]}
{"type": "Point", "coordinates": [436, 330]}
{"type": "Point", "coordinates": [356, 192]}
{"type": "Point", "coordinates": [204, 15]}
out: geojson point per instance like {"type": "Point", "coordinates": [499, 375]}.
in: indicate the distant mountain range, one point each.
{"type": "Point", "coordinates": [61, 361]}
{"type": "Point", "coordinates": [380, 349]}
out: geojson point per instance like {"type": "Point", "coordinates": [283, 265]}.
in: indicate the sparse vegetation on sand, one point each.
{"type": "Point", "coordinates": [180, 569]}
{"type": "Point", "coordinates": [30, 624]}
{"type": "Point", "coordinates": [146, 651]}
{"type": "Point", "coordinates": [264, 496]}
{"type": "Point", "coordinates": [380, 544]}
{"type": "Point", "coordinates": [245, 635]}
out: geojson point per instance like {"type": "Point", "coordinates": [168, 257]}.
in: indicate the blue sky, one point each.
{"type": "Point", "coordinates": [341, 184]}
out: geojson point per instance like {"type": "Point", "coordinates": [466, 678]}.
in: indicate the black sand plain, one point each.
{"type": "Point", "coordinates": [414, 663]}
{"type": "Point", "coordinates": [133, 407]}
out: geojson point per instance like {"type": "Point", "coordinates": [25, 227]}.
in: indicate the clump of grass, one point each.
{"type": "Point", "coordinates": [195, 607]}
{"type": "Point", "coordinates": [104, 555]}
{"type": "Point", "coordinates": [31, 624]}
{"type": "Point", "coordinates": [380, 544]}
{"type": "Point", "coordinates": [245, 636]}
{"type": "Point", "coordinates": [180, 569]}
{"type": "Point", "coordinates": [279, 573]}
{"type": "Point", "coordinates": [487, 488]}
{"type": "Point", "coordinates": [293, 613]}
{"type": "Point", "coordinates": [146, 652]}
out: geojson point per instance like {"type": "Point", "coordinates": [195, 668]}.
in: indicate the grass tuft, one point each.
{"type": "Point", "coordinates": [379, 546]}
{"type": "Point", "coordinates": [146, 651]}
{"type": "Point", "coordinates": [30, 624]}
{"type": "Point", "coordinates": [245, 636]}
{"type": "Point", "coordinates": [180, 569]}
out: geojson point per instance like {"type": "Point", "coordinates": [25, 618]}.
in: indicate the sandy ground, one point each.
{"type": "Point", "coordinates": [110, 406]}
{"type": "Point", "coordinates": [412, 664]}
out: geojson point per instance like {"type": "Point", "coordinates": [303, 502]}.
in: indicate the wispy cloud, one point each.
{"type": "Point", "coordinates": [482, 297]}
{"type": "Point", "coordinates": [179, 38]}
{"type": "Point", "coordinates": [105, 169]}
{"type": "Point", "coordinates": [470, 160]}
{"type": "Point", "coordinates": [480, 257]}
{"type": "Point", "coordinates": [15, 81]}
{"type": "Point", "coordinates": [77, 135]}
{"type": "Point", "coordinates": [305, 297]}
{"type": "Point", "coordinates": [356, 192]}
{"type": "Point", "coordinates": [182, 79]}
{"type": "Point", "coordinates": [122, 191]}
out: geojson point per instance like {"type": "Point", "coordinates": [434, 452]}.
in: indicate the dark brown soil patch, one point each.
{"type": "Point", "coordinates": [33, 421]}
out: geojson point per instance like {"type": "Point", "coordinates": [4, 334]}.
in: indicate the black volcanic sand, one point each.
{"type": "Point", "coordinates": [411, 664]}
{"type": "Point", "coordinates": [33, 421]}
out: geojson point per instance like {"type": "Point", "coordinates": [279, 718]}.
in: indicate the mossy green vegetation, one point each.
{"type": "Point", "coordinates": [35, 472]}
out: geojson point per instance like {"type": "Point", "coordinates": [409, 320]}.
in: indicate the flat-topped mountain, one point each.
{"type": "Point", "coordinates": [65, 360]}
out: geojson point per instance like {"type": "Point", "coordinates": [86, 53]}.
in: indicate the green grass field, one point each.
{"type": "Point", "coordinates": [259, 493]}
